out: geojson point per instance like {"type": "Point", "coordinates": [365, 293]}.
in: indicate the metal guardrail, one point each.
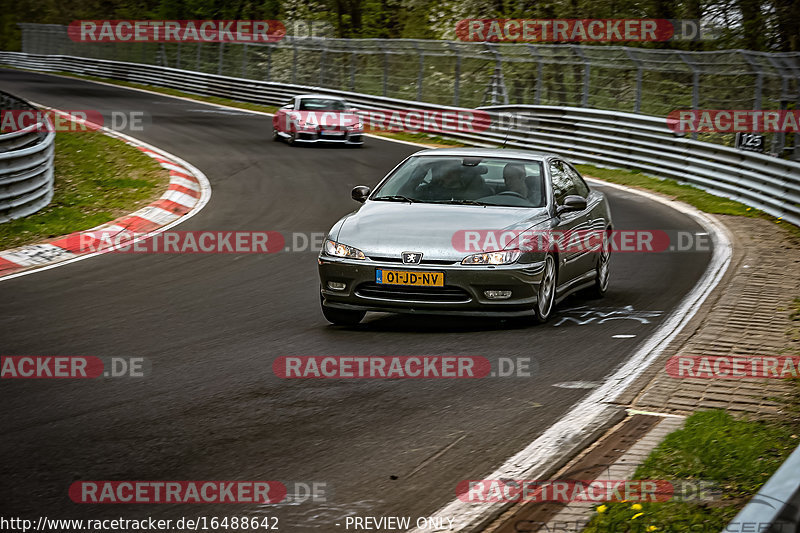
{"type": "Point", "coordinates": [26, 165]}
{"type": "Point", "coordinates": [599, 137]}
{"type": "Point", "coordinates": [776, 507]}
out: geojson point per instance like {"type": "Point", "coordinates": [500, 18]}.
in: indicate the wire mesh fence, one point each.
{"type": "Point", "coordinates": [640, 80]}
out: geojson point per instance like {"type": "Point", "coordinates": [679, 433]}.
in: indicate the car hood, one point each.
{"type": "Point", "coordinates": [384, 229]}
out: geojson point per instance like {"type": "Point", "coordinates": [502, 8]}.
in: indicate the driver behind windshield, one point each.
{"type": "Point", "coordinates": [514, 178]}
{"type": "Point", "coordinates": [449, 182]}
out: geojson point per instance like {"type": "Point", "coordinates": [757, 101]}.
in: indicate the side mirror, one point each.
{"type": "Point", "coordinates": [571, 203]}
{"type": "Point", "coordinates": [360, 193]}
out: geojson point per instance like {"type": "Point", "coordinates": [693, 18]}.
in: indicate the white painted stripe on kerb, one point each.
{"type": "Point", "coordinates": [36, 254]}
{"type": "Point", "coordinates": [156, 215]}
{"type": "Point", "coordinates": [594, 409]}
{"type": "Point", "coordinates": [170, 166]}
{"type": "Point", "coordinates": [179, 198]}
{"type": "Point", "coordinates": [183, 182]}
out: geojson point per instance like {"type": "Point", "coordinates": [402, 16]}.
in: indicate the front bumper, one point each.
{"type": "Point", "coordinates": [463, 293]}
{"type": "Point", "coordinates": [347, 137]}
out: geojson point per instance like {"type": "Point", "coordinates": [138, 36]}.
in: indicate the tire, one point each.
{"type": "Point", "coordinates": [547, 290]}
{"type": "Point", "coordinates": [341, 317]}
{"type": "Point", "coordinates": [602, 271]}
{"type": "Point", "coordinates": [275, 136]}
{"type": "Point", "coordinates": [292, 140]}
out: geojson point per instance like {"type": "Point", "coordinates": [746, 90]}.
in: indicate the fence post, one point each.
{"type": "Point", "coordinates": [197, 59]}
{"type": "Point", "coordinates": [779, 139]}
{"type": "Point", "coordinates": [695, 84]}
{"type": "Point", "coordinates": [537, 94]}
{"type": "Point", "coordinates": [353, 57]}
{"type": "Point", "coordinates": [269, 61]}
{"type": "Point", "coordinates": [420, 70]}
{"type": "Point", "coordinates": [637, 105]}
{"type": "Point", "coordinates": [244, 60]}
{"type": "Point", "coordinates": [759, 78]}
{"type": "Point", "coordinates": [322, 59]}
{"type": "Point", "coordinates": [385, 72]}
{"type": "Point", "coordinates": [587, 66]}
{"type": "Point", "coordinates": [178, 56]}
{"type": "Point", "coordinates": [221, 59]}
{"type": "Point", "coordinates": [294, 60]}
{"type": "Point", "coordinates": [456, 74]}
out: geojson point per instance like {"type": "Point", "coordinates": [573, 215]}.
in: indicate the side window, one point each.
{"type": "Point", "coordinates": [580, 185]}
{"type": "Point", "coordinates": [562, 182]}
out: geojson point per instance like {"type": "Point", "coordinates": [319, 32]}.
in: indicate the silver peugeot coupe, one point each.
{"type": "Point", "coordinates": [470, 232]}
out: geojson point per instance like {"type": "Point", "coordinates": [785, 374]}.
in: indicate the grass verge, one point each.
{"type": "Point", "coordinates": [736, 456]}
{"type": "Point", "coordinates": [97, 178]}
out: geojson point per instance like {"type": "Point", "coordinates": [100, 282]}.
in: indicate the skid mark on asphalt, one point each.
{"type": "Point", "coordinates": [600, 315]}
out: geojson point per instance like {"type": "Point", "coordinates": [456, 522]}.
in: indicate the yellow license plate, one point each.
{"type": "Point", "coordinates": [402, 277]}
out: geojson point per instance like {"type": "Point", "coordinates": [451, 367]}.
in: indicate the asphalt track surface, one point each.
{"type": "Point", "coordinates": [211, 326]}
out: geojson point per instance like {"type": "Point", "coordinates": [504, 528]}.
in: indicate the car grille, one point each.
{"type": "Point", "coordinates": [423, 262]}
{"type": "Point", "coordinates": [415, 294]}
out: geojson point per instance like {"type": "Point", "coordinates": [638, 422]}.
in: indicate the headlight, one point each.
{"type": "Point", "coordinates": [492, 258]}
{"type": "Point", "coordinates": [356, 126]}
{"type": "Point", "coordinates": [338, 249]}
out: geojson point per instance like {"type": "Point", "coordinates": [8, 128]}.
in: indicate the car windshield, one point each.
{"type": "Point", "coordinates": [466, 180]}
{"type": "Point", "coordinates": [322, 104]}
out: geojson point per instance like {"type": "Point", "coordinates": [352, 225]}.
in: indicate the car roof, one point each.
{"type": "Point", "coordinates": [489, 152]}
{"type": "Point", "coordinates": [319, 95]}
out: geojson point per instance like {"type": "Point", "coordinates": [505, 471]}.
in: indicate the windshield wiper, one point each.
{"type": "Point", "coordinates": [461, 202]}
{"type": "Point", "coordinates": [396, 198]}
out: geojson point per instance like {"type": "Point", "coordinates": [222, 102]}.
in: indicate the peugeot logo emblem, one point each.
{"type": "Point", "coordinates": [412, 258]}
